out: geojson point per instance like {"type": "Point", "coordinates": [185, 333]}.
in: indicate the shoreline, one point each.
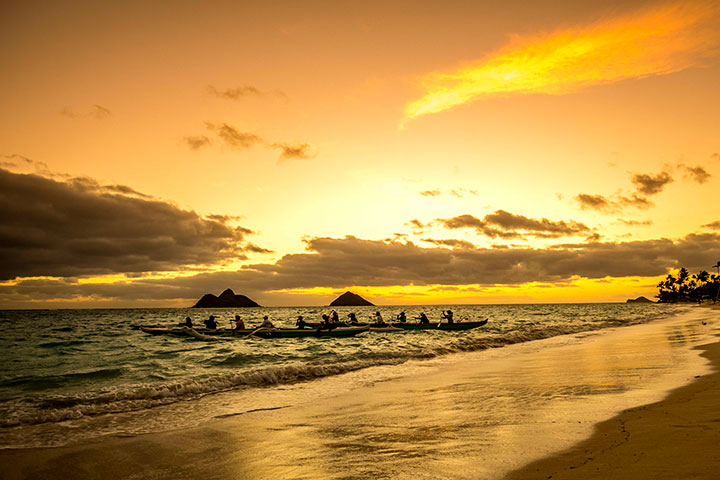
{"type": "Point", "coordinates": [428, 424]}
{"type": "Point", "coordinates": [674, 438]}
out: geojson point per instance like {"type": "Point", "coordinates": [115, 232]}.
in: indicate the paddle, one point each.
{"type": "Point", "coordinates": [254, 332]}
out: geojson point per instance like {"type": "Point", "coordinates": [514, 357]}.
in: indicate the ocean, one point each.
{"type": "Point", "coordinates": [72, 376]}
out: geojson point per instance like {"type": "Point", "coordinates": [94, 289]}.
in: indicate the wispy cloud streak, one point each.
{"type": "Point", "coordinates": [654, 41]}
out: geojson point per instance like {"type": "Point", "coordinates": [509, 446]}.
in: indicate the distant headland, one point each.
{"type": "Point", "coordinates": [349, 299]}
{"type": "Point", "coordinates": [227, 299]}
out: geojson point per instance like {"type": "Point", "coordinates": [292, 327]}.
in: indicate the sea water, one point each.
{"type": "Point", "coordinates": [72, 376]}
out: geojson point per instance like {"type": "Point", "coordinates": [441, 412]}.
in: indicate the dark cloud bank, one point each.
{"type": "Point", "coordinates": [79, 227]}
{"type": "Point", "coordinates": [338, 263]}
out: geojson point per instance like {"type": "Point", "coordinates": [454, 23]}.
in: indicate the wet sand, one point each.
{"type": "Point", "coordinates": [676, 438]}
{"type": "Point", "coordinates": [482, 415]}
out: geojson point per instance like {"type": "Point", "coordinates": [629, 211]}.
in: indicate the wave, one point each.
{"type": "Point", "coordinates": [42, 382]}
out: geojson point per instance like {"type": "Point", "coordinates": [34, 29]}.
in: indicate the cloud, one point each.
{"type": "Point", "coordinates": [635, 201]}
{"type": "Point", "coordinates": [654, 41]}
{"type": "Point", "coordinates": [79, 227]}
{"type": "Point", "coordinates": [20, 162]}
{"type": "Point", "coordinates": [350, 261]}
{"type": "Point", "coordinates": [595, 202]}
{"type": "Point", "coordinates": [290, 151]}
{"type": "Point", "coordinates": [197, 142]}
{"type": "Point", "coordinates": [243, 91]}
{"type": "Point", "coordinates": [416, 224]}
{"type": "Point", "coordinates": [713, 225]}
{"type": "Point", "coordinates": [649, 184]}
{"type": "Point", "coordinates": [451, 242]}
{"type": "Point", "coordinates": [98, 112]}
{"type": "Point", "coordinates": [697, 174]}
{"type": "Point", "coordinates": [633, 223]}
{"type": "Point", "coordinates": [507, 225]}
{"type": "Point", "coordinates": [715, 156]}
{"type": "Point", "coordinates": [233, 137]}
{"type": "Point", "coordinates": [645, 184]}
{"type": "Point", "coordinates": [455, 192]}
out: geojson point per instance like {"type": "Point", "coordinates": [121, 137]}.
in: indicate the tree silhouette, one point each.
{"type": "Point", "coordinates": [690, 288]}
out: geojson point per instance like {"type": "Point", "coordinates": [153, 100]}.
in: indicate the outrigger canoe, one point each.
{"type": "Point", "coordinates": [440, 326]}
{"type": "Point", "coordinates": [204, 333]}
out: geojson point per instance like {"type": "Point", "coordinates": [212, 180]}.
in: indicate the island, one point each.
{"type": "Point", "coordinates": [639, 300]}
{"type": "Point", "coordinates": [227, 299]}
{"type": "Point", "coordinates": [349, 299]}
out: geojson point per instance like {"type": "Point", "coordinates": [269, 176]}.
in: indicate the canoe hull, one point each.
{"type": "Point", "coordinates": [269, 333]}
{"type": "Point", "coordinates": [440, 326]}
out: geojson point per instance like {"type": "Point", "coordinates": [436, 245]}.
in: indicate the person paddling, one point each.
{"type": "Point", "coordinates": [267, 323]}
{"type": "Point", "coordinates": [188, 322]}
{"type": "Point", "coordinates": [353, 318]}
{"type": "Point", "coordinates": [239, 324]}
{"type": "Point", "coordinates": [423, 319]}
{"type": "Point", "coordinates": [448, 316]}
{"type": "Point", "coordinates": [300, 323]}
{"type": "Point", "coordinates": [402, 318]}
{"type": "Point", "coordinates": [211, 323]}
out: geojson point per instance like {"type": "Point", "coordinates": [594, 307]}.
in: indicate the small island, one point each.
{"type": "Point", "coordinates": [349, 299]}
{"type": "Point", "coordinates": [639, 300]}
{"type": "Point", "coordinates": [227, 299]}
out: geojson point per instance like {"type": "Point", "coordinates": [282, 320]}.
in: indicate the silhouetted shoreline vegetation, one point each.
{"type": "Point", "coordinates": [686, 287]}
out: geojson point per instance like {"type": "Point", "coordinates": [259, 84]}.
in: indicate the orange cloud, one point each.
{"type": "Point", "coordinates": [655, 41]}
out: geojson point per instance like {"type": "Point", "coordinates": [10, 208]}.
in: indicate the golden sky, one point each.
{"type": "Point", "coordinates": [418, 152]}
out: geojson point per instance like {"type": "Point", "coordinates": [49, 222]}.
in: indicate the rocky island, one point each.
{"type": "Point", "coordinates": [639, 300]}
{"type": "Point", "coordinates": [227, 299]}
{"type": "Point", "coordinates": [349, 299]}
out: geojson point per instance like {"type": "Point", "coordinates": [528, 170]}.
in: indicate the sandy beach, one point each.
{"type": "Point", "coordinates": [630, 402]}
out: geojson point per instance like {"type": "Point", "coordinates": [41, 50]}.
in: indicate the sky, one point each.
{"type": "Point", "coordinates": [412, 152]}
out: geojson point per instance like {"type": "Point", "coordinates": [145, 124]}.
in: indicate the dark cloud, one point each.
{"type": "Point", "coordinates": [243, 91]}
{"type": "Point", "coordinates": [416, 224]}
{"type": "Point", "coordinates": [635, 201]}
{"type": "Point", "coordinates": [251, 247]}
{"type": "Point", "coordinates": [595, 202]}
{"type": "Point", "coordinates": [713, 225]}
{"type": "Point", "coordinates": [697, 174]}
{"type": "Point", "coordinates": [607, 205]}
{"type": "Point", "coordinates": [449, 243]}
{"type": "Point", "coordinates": [79, 227]}
{"type": "Point", "coordinates": [649, 184]}
{"type": "Point", "coordinates": [508, 225]}
{"type": "Point", "coordinates": [633, 223]}
{"type": "Point", "coordinates": [290, 151]}
{"type": "Point", "coordinates": [197, 142]}
{"type": "Point", "coordinates": [350, 261]}
{"type": "Point", "coordinates": [430, 193]}
{"type": "Point", "coordinates": [233, 137]}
